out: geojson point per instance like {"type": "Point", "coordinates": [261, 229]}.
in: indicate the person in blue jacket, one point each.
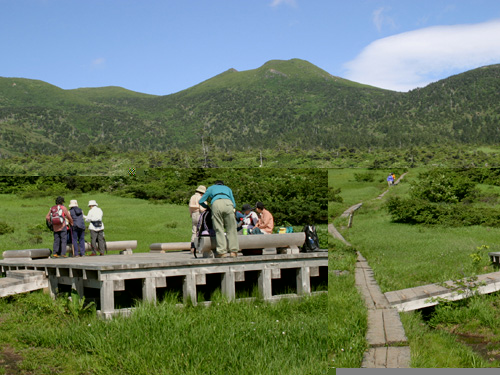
{"type": "Point", "coordinates": [223, 207]}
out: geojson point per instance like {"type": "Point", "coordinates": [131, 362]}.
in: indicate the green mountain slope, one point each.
{"type": "Point", "coordinates": [282, 104]}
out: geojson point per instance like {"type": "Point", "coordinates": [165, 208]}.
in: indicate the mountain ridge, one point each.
{"type": "Point", "coordinates": [281, 104]}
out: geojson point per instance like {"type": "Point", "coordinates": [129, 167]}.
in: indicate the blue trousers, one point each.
{"type": "Point", "coordinates": [60, 241]}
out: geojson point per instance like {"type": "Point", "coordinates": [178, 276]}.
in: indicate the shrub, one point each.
{"type": "Point", "coordinates": [445, 186]}
{"type": "Point", "coordinates": [364, 177]}
{"type": "Point", "coordinates": [5, 228]}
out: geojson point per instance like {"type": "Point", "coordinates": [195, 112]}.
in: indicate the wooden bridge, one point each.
{"type": "Point", "coordinates": [114, 282]}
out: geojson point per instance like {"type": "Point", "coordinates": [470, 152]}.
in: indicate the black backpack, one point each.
{"type": "Point", "coordinates": [312, 242]}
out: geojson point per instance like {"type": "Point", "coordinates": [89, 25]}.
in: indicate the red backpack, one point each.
{"type": "Point", "coordinates": [57, 215]}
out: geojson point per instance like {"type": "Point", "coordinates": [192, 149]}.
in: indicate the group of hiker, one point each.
{"type": "Point", "coordinates": [391, 179]}
{"type": "Point", "coordinates": [226, 221]}
{"type": "Point", "coordinates": [69, 228]}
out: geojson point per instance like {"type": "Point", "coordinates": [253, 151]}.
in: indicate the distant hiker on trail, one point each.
{"type": "Point", "coordinates": [265, 225]}
{"type": "Point", "coordinates": [223, 207]}
{"type": "Point", "coordinates": [58, 217]}
{"type": "Point", "coordinates": [393, 178]}
{"type": "Point", "coordinates": [390, 180]}
{"type": "Point", "coordinates": [96, 228]}
{"type": "Point", "coordinates": [195, 211]}
{"type": "Point", "coordinates": [78, 228]}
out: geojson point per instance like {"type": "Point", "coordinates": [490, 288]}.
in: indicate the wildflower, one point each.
{"type": "Point", "coordinates": [277, 321]}
{"type": "Point", "coordinates": [284, 333]}
{"type": "Point", "coordinates": [342, 349]}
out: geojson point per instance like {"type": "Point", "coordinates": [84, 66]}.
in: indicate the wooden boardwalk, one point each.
{"type": "Point", "coordinates": [424, 296]}
{"type": "Point", "coordinates": [385, 336]}
{"type": "Point", "coordinates": [114, 282]}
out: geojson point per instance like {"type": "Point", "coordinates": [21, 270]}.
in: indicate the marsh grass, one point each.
{"type": "Point", "coordinates": [252, 337]}
{"type": "Point", "coordinates": [347, 323]}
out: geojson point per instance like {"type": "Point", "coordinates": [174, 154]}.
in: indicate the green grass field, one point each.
{"type": "Point", "coordinates": [124, 219]}
{"type": "Point", "coordinates": [42, 336]}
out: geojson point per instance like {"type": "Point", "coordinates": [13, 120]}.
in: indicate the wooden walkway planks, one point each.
{"type": "Point", "coordinates": [422, 296]}
{"type": "Point", "coordinates": [384, 325]}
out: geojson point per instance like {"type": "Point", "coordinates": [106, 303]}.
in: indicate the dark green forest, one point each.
{"type": "Point", "coordinates": [282, 106]}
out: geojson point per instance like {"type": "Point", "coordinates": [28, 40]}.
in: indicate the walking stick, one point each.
{"type": "Point", "coordinates": [72, 242]}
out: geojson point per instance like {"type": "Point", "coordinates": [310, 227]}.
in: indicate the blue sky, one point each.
{"type": "Point", "coordinates": [164, 46]}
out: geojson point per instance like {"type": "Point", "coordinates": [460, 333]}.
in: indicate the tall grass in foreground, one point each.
{"type": "Point", "coordinates": [347, 323]}
{"type": "Point", "coordinates": [289, 337]}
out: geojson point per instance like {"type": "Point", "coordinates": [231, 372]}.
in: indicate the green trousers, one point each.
{"type": "Point", "coordinates": [223, 220]}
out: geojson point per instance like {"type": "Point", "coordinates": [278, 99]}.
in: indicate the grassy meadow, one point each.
{"type": "Point", "coordinates": [124, 219]}
{"type": "Point", "coordinates": [225, 338]}
{"type": "Point", "coordinates": [404, 256]}
{"type": "Point", "coordinates": [41, 336]}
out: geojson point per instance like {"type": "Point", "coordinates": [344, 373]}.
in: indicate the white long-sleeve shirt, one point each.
{"type": "Point", "coordinates": [95, 214]}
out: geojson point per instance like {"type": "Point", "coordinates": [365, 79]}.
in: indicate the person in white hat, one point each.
{"type": "Point", "coordinates": [195, 211]}
{"type": "Point", "coordinates": [96, 228]}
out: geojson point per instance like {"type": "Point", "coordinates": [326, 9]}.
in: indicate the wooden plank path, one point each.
{"type": "Point", "coordinates": [386, 337]}
{"type": "Point", "coordinates": [147, 276]}
{"type": "Point", "coordinates": [425, 296]}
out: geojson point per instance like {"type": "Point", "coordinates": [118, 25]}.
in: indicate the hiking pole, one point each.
{"type": "Point", "coordinates": [72, 242]}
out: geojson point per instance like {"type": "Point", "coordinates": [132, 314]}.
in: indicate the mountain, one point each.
{"type": "Point", "coordinates": [282, 104]}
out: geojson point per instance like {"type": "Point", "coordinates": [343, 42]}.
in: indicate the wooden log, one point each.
{"type": "Point", "coordinates": [112, 245]}
{"type": "Point", "coordinates": [28, 253]}
{"type": "Point", "coordinates": [169, 246]}
{"type": "Point", "coordinates": [258, 241]}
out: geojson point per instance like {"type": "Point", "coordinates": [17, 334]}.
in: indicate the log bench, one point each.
{"type": "Point", "coordinates": [125, 247]}
{"type": "Point", "coordinates": [27, 254]}
{"type": "Point", "coordinates": [169, 246]}
{"type": "Point", "coordinates": [285, 243]}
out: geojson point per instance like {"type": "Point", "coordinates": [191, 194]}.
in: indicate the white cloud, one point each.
{"type": "Point", "coordinates": [416, 58]}
{"type": "Point", "coordinates": [380, 18]}
{"type": "Point", "coordinates": [276, 3]}
{"type": "Point", "coordinates": [99, 62]}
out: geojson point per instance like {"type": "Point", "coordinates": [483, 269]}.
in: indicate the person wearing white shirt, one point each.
{"type": "Point", "coordinates": [96, 227]}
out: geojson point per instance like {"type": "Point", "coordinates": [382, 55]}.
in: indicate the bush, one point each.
{"type": "Point", "coordinates": [445, 186]}
{"type": "Point", "coordinates": [364, 177]}
{"type": "Point", "coordinates": [418, 211]}
{"type": "Point", "coordinates": [5, 228]}
{"type": "Point", "coordinates": [334, 195]}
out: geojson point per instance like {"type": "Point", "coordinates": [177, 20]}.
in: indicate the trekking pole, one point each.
{"type": "Point", "coordinates": [72, 242]}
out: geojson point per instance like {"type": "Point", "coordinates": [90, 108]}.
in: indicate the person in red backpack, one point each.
{"type": "Point", "coordinates": [60, 217]}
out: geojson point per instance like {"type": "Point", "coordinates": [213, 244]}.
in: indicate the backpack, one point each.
{"type": "Point", "coordinates": [57, 215]}
{"type": "Point", "coordinates": [205, 227]}
{"type": "Point", "coordinates": [312, 242]}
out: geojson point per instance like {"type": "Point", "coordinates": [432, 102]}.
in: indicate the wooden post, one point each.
{"type": "Point", "coordinates": [303, 281]}
{"type": "Point", "coordinates": [265, 285]}
{"type": "Point", "coordinates": [228, 285]}
{"type": "Point", "coordinates": [189, 288]}
{"type": "Point", "coordinates": [107, 297]}
{"type": "Point", "coordinates": [53, 286]}
{"type": "Point", "coordinates": [149, 289]}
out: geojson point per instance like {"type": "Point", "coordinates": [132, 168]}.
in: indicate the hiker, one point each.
{"type": "Point", "coordinates": [78, 228]}
{"type": "Point", "coordinates": [390, 180]}
{"type": "Point", "coordinates": [59, 216]}
{"type": "Point", "coordinates": [195, 211]}
{"type": "Point", "coordinates": [250, 219]}
{"type": "Point", "coordinates": [96, 228]}
{"type": "Point", "coordinates": [222, 207]}
{"type": "Point", "coordinates": [265, 225]}
{"type": "Point", "coordinates": [393, 178]}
